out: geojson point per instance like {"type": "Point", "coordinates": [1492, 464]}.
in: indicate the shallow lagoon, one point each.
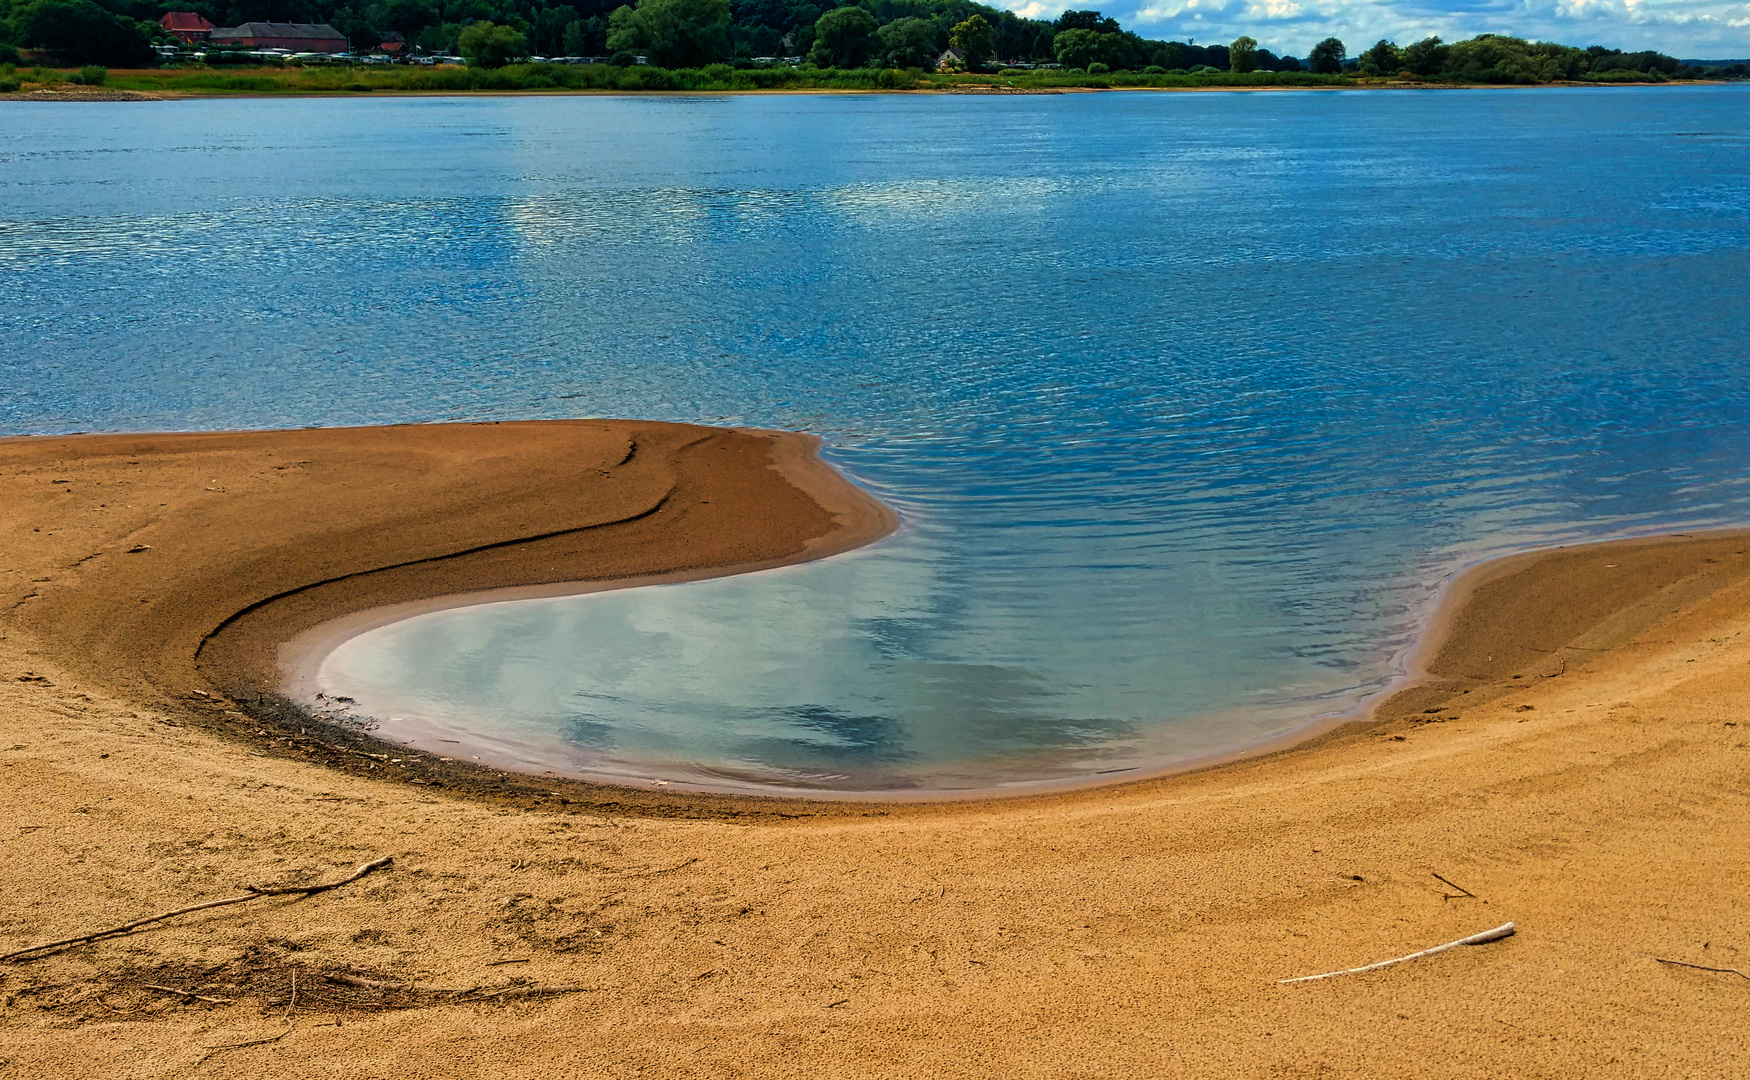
{"type": "Point", "coordinates": [1189, 401]}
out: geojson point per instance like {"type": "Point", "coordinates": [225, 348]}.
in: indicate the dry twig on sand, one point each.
{"type": "Point", "coordinates": [472, 993]}
{"type": "Point", "coordinates": [256, 892]}
{"type": "Point", "coordinates": [1499, 932]}
{"type": "Point", "coordinates": [1702, 967]}
{"type": "Point", "coordinates": [222, 1047]}
{"type": "Point", "coordinates": [189, 994]}
{"type": "Point", "coordinates": [1462, 890]}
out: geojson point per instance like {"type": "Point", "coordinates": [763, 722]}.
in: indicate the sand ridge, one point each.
{"type": "Point", "coordinates": [1575, 755]}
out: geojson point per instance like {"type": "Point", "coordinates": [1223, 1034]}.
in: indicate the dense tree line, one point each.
{"type": "Point", "coordinates": [1493, 58]}
{"type": "Point", "coordinates": [883, 34]}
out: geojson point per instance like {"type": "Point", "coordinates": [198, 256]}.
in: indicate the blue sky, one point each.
{"type": "Point", "coordinates": [1689, 28]}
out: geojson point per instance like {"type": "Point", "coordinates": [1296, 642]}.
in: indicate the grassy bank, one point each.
{"type": "Point", "coordinates": [607, 78]}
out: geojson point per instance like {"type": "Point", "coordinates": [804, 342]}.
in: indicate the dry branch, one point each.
{"type": "Point", "coordinates": [190, 994]}
{"type": "Point", "coordinates": [211, 1050]}
{"type": "Point", "coordinates": [1499, 932]}
{"type": "Point", "coordinates": [1456, 885]}
{"type": "Point", "coordinates": [472, 993]}
{"type": "Point", "coordinates": [255, 892]}
{"type": "Point", "coordinates": [1702, 967]}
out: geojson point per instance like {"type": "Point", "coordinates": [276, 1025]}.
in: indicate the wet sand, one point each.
{"type": "Point", "coordinates": [1573, 755]}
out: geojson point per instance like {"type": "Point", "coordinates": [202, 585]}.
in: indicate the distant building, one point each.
{"type": "Point", "coordinates": [951, 60]}
{"type": "Point", "coordinates": [296, 37]}
{"type": "Point", "coordinates": [186, 26]}
{"type": "Point", "coordinates": [394, 43]}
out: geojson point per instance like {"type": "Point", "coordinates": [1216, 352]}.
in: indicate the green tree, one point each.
{"type": "Point", "coordinates": [1383, 59]}
{"type": "Point", "coordinates": [490, 45]}
{"type": "Point", "coordinates": [1426, 57]}
{"type": "Point", "coordinates": [1242, 55]}
{"type": "Point", "coordinates": [1327, 56]}
{"type": "Point", "coordinates": [975, 38]}
{"type": "Point", "coordinates": [1171, 55]}
{"type": "Point", "coordinates": [1086, 20]}
{"type": "Point", "coordinates": [908, 42]}
{"type": "Point", "coordinates": [1076, 47]}
{"type": "Point", "coordinates": [83, 33]}
{"type": "Point", "coordinates": [408, 17]}
{"type": "Point", "coordinates": [586, 38]}
{"type": "Point", "coordinates": [843, 37]}
{"type": "Point", "coordinates": [673, 33]}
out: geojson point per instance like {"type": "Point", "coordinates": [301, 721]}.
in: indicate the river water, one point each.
{"type": "Point", "coordinates": [1188, 401]}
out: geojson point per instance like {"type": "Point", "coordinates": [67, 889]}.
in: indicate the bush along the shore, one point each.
{"type": "Point", "coordinates": [612, 78]}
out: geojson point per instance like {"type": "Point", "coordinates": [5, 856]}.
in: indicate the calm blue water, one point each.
{"type": "Point", "coordinates": [1188, 400]}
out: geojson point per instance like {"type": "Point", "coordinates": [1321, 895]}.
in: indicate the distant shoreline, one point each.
{"type": "Point", "coordinates": [157, 85]}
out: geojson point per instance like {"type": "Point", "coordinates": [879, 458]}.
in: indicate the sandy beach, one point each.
{"type": "Point", "coordinates": [1572, 755]}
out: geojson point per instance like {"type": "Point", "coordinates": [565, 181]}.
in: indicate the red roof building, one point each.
{"type": "Point", "coordinates": [296, 37]}
{"type": "Point", "coordinates": [186, 26]}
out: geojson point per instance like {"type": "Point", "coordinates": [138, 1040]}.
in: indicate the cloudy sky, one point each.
{"type": "Point", "coordinates": [1705, 29]}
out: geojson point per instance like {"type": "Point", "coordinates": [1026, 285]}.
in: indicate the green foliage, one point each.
{"type": "Point", "coordinates": [489, 45]}
{"type": "Point", "coordinates": [1426, 57]}
{"type": "Point", "coordinates": [1242, 55]}
{"type": "Point", "coordinates": [83, 33]}
{"type": "Point", "coordinates": [1327, 57]}
{"type": "Point", "coordinates": [93, 75]}
{"type": "Point", "coordinates": [908, 43]}
{"type": "Point", "coordinates": [1495, 58]}
{"type": "Point", "coordinates": [673, 33]}
{"type": "Point", "coordinates": [975, 38]}
{"type": "Point", "coordinates": [1383, 59]}
{"type": "Point", "coordinates": [843, 38]}
{"type": "Point", "coordinates": [1076, 47]}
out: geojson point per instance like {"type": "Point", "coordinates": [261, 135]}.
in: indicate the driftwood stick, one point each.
{"type": "Point", "coordinates": [190, 994]}
{"type": "Point", "coordinates": [1499, 932]}
{"type": "Point", "coordinates": [211, 1050]}
{"type": "Point", "coordinates": [537, 990]}
{"type": "Point", "coordinates": [1456, 885]}
{"type": "Point", "coordinates": [254, 893]}
{"type": "Point", "coordinates": [359, 982]}
{"type": "Point", "coordinates": [311, 890]}
{"type": "Point", "coordinates": [473, 992]}
{"type": "Point", "coordinates": [1702, 967]}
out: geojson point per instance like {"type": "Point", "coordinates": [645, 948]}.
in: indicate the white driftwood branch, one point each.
{"type": "Point", "coordinates": [1499, 932]}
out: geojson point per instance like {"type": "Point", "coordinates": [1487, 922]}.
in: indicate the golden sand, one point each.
{"type": "Point", "coordinates": [1574, 757]}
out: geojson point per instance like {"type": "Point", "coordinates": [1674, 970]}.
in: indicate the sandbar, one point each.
{"type": "Point", "coordinates": [1571, 753]}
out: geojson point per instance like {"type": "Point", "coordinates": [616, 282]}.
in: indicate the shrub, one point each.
{"type": "Point", "coordinates": [1154, 69]}
{"type": "Point", "coordinates": [1097, 68]}
{"type": "Point", "coordinates": [489, 45]}
{"type": "Point", "coordinates": [92, 75]}
{"type": "Point", "coordinates": [9, 86]}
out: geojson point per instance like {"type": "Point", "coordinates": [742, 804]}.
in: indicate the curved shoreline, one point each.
{"type": "Point", "coordinates": [425, 517]}
{"type": "Point", "coordinates": [1598, 801]}
{"type": "Point", "coordinates": [495, 514]}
